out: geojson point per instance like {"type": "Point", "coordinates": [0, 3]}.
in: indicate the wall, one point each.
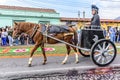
{"type": "Point", "coordinates": [7, 17]}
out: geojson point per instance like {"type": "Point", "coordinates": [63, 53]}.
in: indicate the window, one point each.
{"type": "Point", "coordinates": [43, 22]}
{"type": "Point", "coordinates": [18, 21]}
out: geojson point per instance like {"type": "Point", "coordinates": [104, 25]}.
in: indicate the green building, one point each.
{"type": "Point", "coordinates": [9, 14]}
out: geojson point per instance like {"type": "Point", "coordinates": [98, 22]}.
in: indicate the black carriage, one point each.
{"type": "Point", "coordinates": [102, 51]}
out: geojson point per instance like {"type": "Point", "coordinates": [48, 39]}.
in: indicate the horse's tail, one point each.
{"type": "Point", "coordinates": [75, 38]}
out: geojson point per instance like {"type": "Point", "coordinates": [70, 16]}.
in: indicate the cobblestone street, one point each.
{"type": "Point", "coordinates": [92, 74]}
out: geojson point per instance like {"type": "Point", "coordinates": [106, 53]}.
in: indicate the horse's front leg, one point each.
{"type": "Point", "coordinates": [31, 54]}
{"type": "Point", "coordinates": [68, 52]}
{"type": "Point", "coordinates": [44, 55]}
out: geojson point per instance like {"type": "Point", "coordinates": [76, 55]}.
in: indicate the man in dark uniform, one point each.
{"type": "Point", "coordinates": [95, 21]}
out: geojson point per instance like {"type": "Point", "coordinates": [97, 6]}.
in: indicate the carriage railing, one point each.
{"type": "Point", "coordinates": [66, 42]}
{"type": "Point", "coordinates": [93, 27]}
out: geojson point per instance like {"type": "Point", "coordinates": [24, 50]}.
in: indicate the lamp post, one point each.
{"type": "Point", "coordinates": [83, 18]}
{"type": "Point", "coordinates": [78, 15]}
{"type": "Point", "coordinates": [78, 20]}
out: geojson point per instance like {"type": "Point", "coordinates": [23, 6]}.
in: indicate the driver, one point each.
{"type": "Point", "coordinates": [95, 21]}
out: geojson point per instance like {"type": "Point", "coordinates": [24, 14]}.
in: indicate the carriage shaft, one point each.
{"type": "Point", "coordinates": [66, 43]}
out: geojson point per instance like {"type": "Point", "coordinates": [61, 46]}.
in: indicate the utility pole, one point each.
{"type": "Point", "coordinates": [78, 15]}
{"type": "Point", "coordinates": [78, 20]}
{"type": "Point", "coordinates": [83, 18]}
{"type": "Point", "coordinates": [84, 14]}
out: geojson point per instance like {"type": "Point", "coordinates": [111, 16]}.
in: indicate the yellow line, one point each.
{"type": "Point", "coordinates": [27, 56]}
{"type": "Point", "coordinates": [40, 55]}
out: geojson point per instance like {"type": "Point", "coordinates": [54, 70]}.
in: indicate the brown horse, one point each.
{"type": "Point", "coordinates": [34, 31]}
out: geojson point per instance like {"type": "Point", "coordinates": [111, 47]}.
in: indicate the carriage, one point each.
{"type": "Point", "coordinates": [102, 51]}
{"type": "Point", "coordinates": [92, 43]}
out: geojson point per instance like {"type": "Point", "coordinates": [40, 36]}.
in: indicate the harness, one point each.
{"type": "Point", "coordinates": [37, 28]}
{"type": "Point", "coordinates": [34, 31]}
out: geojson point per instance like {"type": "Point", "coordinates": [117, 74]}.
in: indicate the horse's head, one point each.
{"type": "Point", "coordinates": [16, 30]}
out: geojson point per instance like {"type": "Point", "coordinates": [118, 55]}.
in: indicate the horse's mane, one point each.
{"type": "Point", "coordinates": [26, 24]}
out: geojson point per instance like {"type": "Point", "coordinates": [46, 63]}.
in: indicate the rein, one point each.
{"type": "Point", "coordinates": [35, 30]}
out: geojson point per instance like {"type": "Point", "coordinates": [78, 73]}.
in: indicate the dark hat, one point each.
{"type": "Point", "coordinates": [94, 7]}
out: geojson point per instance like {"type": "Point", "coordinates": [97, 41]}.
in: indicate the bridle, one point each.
{"type": "Point", "coordinates": [17, 31]}
{"type": "Point", "coordinates": [33, 30]}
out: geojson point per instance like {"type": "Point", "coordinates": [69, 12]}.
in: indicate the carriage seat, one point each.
{"type": "Point", "coordinates": [55, 29]}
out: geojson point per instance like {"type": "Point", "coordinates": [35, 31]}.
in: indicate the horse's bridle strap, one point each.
{"type": "Point", "coordinates": [34, 31]}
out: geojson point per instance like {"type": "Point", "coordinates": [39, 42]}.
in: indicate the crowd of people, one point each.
{"type": "Point", "coordinates": [7, 40]}
{"type": "Point", "coordinates": [113, 33]}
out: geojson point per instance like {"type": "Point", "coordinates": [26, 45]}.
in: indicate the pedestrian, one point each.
{"type": "Point", "coordinates": [16, 41]}
{"type": "Point", "coordinates": [95, 21]}
{"type": "Point", "coordinates": [112, 32]}
{"type": "Point", "coordinates": [26, 39]}
{"type": "Point", "coordinates": [4, 35]}
{"type": "Point", "coordinates": [119, 35]}
{"type": "Point", "coordinates": [116, 35]}
{"type": "Point", "coordinates": [22, 39]}
{"type": "Point", "coordinates": [0, 36]}
{"type": "Point", "coordinates": [104, 32]}
{"type": "Point", "coordinates": [6, 27]}
{"type": "Point", "coordinates": [10, 39]}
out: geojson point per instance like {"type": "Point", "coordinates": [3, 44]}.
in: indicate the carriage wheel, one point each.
{"type": "Point", "coordinates": [103, 52]}
{"type": "Point", "coordinates": [84, 53]}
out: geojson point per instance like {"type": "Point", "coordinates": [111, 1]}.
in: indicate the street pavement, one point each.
{"type": "Point", "coordinates": [17, 67]}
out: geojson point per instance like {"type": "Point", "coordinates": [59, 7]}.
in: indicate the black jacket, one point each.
{"type": "Point", "coordinates": [95, 21]}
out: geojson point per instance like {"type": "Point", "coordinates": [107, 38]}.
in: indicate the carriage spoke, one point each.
{"type": "Point", "coordinates": [97, 51]}
{"type": "Point", "coordinates": [108, 47]}
{"type": "Point", "coordinates": [106, 59]}
{"type": "Point", "coordinates": [104, 45]}
{"type": "Point", "coordinates": [99, 58]}
{"type": "Point", "coordinates": [110, 50]}
{"type": "Point", "coordinates": [110, 55]}
{"type": "Point", "coordinates": [97, 55]}
{"type": "Point", "coordinates": [109, 58]}
{"type": "Point", "coordinates": [103, 60]}
{"type": "Point", "coordinates": [100, 47]}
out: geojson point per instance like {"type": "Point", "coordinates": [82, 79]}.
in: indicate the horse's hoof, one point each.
{"type": "Point", "coordinates": [43, 63]}
{"type": "Point", "coordinates": [29, 65]}
{"type": "Point", "coordinates": [63, 63]}
{"type": "Point", "coordinates": [76, 62]}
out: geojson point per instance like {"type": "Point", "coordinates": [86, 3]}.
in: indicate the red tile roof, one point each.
{"type": "Point", "coordinates": [87, 19]}
{"type": "Point", "coordinates": [27, 8]}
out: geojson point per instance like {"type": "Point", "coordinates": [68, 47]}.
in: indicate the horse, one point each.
{"type": "Point", "coordinates": [34, 31]}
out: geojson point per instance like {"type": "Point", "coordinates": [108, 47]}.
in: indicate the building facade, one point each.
{"type": "Point", "coordinates": [11, 14]}
{"type": "Point", "coordinates": [81, 22]}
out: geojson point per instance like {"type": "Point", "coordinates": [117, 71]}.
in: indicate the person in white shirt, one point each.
{"type": "Point", "coordinates": [0, 36]}
{"type": "Point", "coordinates": [4, 35]}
